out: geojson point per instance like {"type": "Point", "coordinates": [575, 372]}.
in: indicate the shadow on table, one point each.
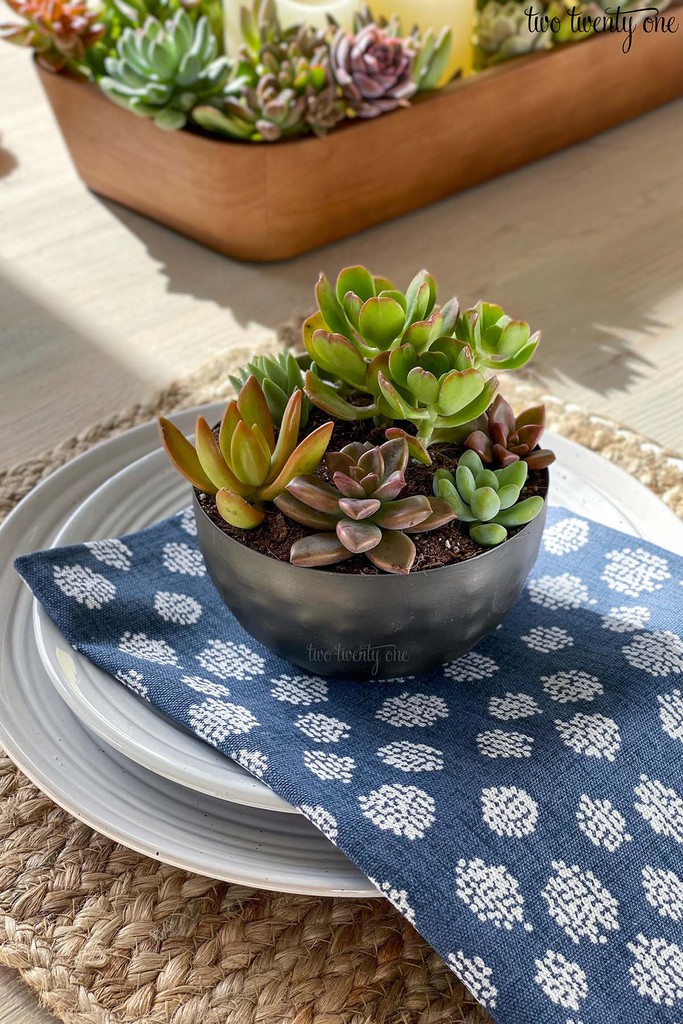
{"type": "Point", "coordinates": [8, 162]}
{"type": "Point", "coordinates": [572, 243]}
{"type": "Point", "coordinates": [38, 344]}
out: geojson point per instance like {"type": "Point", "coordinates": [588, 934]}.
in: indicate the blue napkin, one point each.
{"type": "Point", "coordinates": [522, 807]}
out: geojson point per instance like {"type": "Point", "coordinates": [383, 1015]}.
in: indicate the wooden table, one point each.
{"type": "Point", "coordinates": [100, 308]}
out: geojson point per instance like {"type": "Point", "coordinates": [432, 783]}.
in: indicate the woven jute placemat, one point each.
{"type": "Point", "coordinates": [106, 936]}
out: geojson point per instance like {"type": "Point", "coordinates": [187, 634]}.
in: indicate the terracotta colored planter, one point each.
{"type": "Point", "coordinates": [271, 201]}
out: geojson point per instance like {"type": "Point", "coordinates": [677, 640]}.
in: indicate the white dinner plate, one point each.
{"type": "Point", "coordinates": [97, 784]}
{"type": "Point", "coordinates": [149, 489]}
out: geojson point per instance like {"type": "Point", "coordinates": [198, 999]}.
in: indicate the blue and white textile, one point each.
{"type": "Point", "coordinates": [522, 807]}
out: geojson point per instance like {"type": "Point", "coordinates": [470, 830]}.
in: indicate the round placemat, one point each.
{"type": "Point", "coordinates": [106, 936]}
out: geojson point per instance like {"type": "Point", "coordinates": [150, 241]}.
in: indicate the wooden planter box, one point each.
{"type": "Point", "coordinates": [269, 201]}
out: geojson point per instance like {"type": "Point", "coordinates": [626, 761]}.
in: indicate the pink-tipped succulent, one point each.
{"type": "Point", "coordinates": [501, 438]}
{"type": "Point", "coordinates": [59, 31]}
{"type": "Point", "coordinates": [373, 69]}
{"type": "Point", "coordinates": [246, 466]}
{"type": "Point", "coordinates": [360, 512]}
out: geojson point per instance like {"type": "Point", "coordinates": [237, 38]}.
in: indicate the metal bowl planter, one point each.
{"type": "Point", "coordinates": [358, 626]}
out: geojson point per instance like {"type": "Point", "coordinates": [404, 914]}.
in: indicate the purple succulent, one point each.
{"type": "Point", "coordinates": [374, 70]}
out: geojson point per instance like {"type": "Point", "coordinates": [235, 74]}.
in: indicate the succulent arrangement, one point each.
{"type": "Point", "coordinates": [429, 448]}
{"type": "Point", "coordinates": [164, 59]}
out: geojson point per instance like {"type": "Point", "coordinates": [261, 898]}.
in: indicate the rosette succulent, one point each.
{"type": "Point", "coordinates": [163, 70]}
{"type": "Point", "coordinates": [504, 439]}
{"type": "Point", "coordinates": [416, 360]}
{"type": "Point", "coordinates": [280, 85]}
{"type": "Point", "coordinates": [360, 511]}
{"type": "Point", "coordinates": [246, 465]}
{"type": "Point", "coordinates": [503, 32]}
{"type": "Point", "coordinates": [59, 31]}
{"type": "Point", "coordinates": [487, 499]}
{"type": "Point", "coordinates": [279, 377]}
{"type": "Point", "coordinates": [431, 49]}
{"type": "Point", "coordinates": [373, 69]}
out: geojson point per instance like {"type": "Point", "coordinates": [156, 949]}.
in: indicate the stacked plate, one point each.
{"type": "Point", "coordinates": [120, 766]}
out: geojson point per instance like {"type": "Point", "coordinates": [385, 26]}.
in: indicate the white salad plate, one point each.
{"type": "Point", "coordinates": [149, 489]}
{"type": "Point", "coordinates": [97, 784]}
{"type": "Point", "coordinates": [142, 809]}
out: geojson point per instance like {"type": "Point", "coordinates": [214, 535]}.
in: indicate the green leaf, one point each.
{"type": "Point", "coordinates": [465, 482]}
{"type": "Point", "coordinates": [331, 309]}
{"type": "Point", "coordinates": [393, 293]}
{"type": "Point", "coordinates": [247, 458]}
{"type": "Point", "coordinates": [338, 356]}
{"type": "Point", "coordinates": [515, 474]}
{"type": "Point", "coordinates": [238, 512]}
{"type": "Point", "coordinates": [472, 461]}
{"type": "Point", "coordinates": [401, 361]}
{"type": "Point", "coordinates": [514, 337]}
{"type": "Point", "coordinates": [183, 456]}
{"type": "Point", "coordinates": [508, 495]}
{"type": "Point", "coordinates": [381, 321]}
{"type": "Point", "coordinates": [488, 534]}
{"type": "Point", "coordinates": [398, 405]}
{"type": "Point", "coordinates": [305, 459]}
{"type": "Point", "coordinates": [474, 409]}
{"type": "Point", "coordinates": [459, 388]}
{"type": "Point", "coordinates": [517, 361]}
{"type": "Point", "coordinates": [487, 478]}
{"type": "Point", "coordinates": [254, 410]}
{"type": "Point", "coordinates": [521, 513]}
{"type": "Point", "coordinates": [446, 489]}
{"type": "Point", "coordinates": [327, 398]}
{"type": "Point", "coordinates": [418, 335]}
{"type": "Point", "coordinates": [356, 279]}
{"type": "Point", "coordinates": [485, 504]}
{"type": "Point", "coordinates": [423, 385]}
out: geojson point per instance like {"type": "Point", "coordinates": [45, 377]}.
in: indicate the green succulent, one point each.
{"type": "Point", "coordinates": [487, 499]}
{"type": "Point", "coordinates": [416, 360]}
{"type": "Point", "coordinates": [496, 341]}
{"type": "Point", "coordinates": [360, 512]}
{"type": "Point", "coordinates": [431, 49]}
{"type": "Point", "coordinates": [279, 376]}
{"type": "Point", "coordinates": [164, 69]}
{"type": "Point", "coordinates": [247, 465]}
{"type": "Point", "coordinates": [280, 86]}
{"type": "Point", "coordinates": [502, 32]}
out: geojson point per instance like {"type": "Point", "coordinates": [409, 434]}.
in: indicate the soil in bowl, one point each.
{"type": "Point", "coordinates": [452, 543]}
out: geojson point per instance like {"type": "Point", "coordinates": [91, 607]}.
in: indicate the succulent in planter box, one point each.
{"type": "Point", "coordinates": [60, 32]}
{"type": "Point", "coordinates": [162, 70]}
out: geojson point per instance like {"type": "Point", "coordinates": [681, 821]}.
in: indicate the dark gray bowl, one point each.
{"type": "Point", "coordinates": [368, 626]}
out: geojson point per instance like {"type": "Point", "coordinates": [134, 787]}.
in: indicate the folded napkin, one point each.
{"type": "Point", "coordinates": [522, 807]}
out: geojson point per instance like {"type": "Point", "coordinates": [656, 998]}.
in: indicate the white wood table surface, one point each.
{"type": "Point", "coordinates": [100, 308]}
